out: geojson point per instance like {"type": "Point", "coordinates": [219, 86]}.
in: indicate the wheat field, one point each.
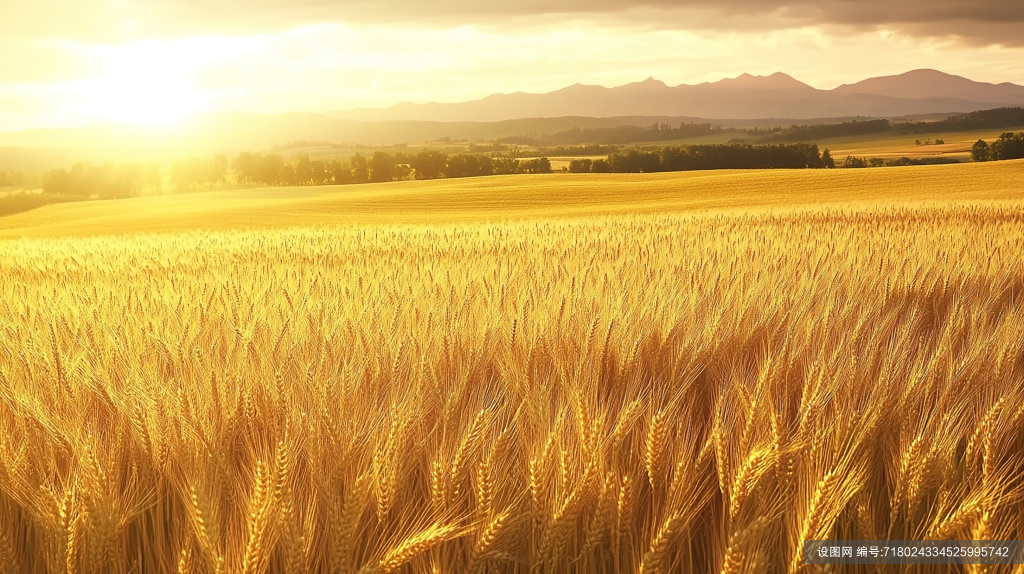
{"type": "Point", "coordinates": [528, 197]}
{"type": "Point", "coordinates": [641, 393]}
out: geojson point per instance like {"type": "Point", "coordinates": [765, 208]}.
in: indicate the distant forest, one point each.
{"type": "Point", "coordinates": [575, 150]}
{"type": "Point", "coordinates": [708, 157]}
{"type": "Point", "coordinates": [822, 131]}
{"type": "Point", "coordinates": [985, 119]}
{"type": "Point", "coordinates": [131, 180]}
{"type": "Point", "coordinates": [619, 135]}
{"type": "Point", "coordinates": [627, 134]}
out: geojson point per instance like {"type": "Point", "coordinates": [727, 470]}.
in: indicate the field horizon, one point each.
{"type": "Point", "coordinates": [496, 198]}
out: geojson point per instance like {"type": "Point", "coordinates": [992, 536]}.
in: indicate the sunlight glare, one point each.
{"type": "Point", "coordinates": [151, 83]}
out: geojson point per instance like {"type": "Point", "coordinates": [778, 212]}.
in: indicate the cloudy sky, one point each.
{"type": "Point", "coordinates": [156, 61]}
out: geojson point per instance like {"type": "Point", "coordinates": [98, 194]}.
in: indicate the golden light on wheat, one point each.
{"type": "Point", "coordinates": [622, 394]}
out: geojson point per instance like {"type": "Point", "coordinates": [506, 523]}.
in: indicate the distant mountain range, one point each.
{"type": "Point", "coordinates": [743, 102]}
{"type": "Point", "coordinates": [747, 96]}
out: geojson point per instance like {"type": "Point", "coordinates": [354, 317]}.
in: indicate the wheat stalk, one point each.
{"type": "Point", "coordinates": [413, 546]}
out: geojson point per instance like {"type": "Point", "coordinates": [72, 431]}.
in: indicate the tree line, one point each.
{"type": "Point", "coordinates": [14, 178]}
{"type": "Point", "coordinates": [862, 162]}
{"type": "Point", "coordinates": [983, 119]}
{"type": "Point", "coordinates": [707, 157]}
{"type": "Point", "coordinates": [1008, 146]}
{"type": "Point", "coordinates": [627, 134]}
{"type": "Point", "coordinates": [272, 169]}
{"type": "Point", "coordinates": [805, 133]}
{"type": "Point", "coordinates": [576, 150]}
{"type": "Point", "coordinates": [109, 181]}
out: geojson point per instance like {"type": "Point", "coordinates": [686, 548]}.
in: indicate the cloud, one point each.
{"type": "Point", "coordinates": [981, 22]}
{"type": "Point", "coordinates": [141, 60]}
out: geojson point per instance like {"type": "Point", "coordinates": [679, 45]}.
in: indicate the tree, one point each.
{"type": "Point", "coordinates": [504, 165]}
{"type": "Point", "coordinates": [601, 166]}
{"type": "Point", "coordinates": [403, 172]}
{"type": "Point", "coordinates": [456, 166]}
{"type": "Point", "coordinates": [980, 151]}
{"type": "Point", "coordinates": [537, 165]}
{"type": "Point", "coordinates": [303, 170]}
{"type": "Point", "coordinates": [217, 170]}
{"type": "Point", "coordinates": [360, 170]}
{"type": "Point", "coordinates": [382, 167]}
{"type": "Point", "coordinates": [580, 165]}
{"type": "Point", "coordinates": [826, 159]}
{"type": "Point", "coordinates": [635, 161]}
{"type": "Point", "coordinates": [1015, 147]}
{"type": "Point", "coordinates": [59, 181]}
{"type": "Point", "coordinates": [484, 165]}
{"type": "Point", "coordinates": [288, 175]}
{"type": "Point", "coordinates": [429, 164]}
{"type": "Point", "coordinates": [270, 170]}
{"type": "Point", "coordinates": [1008, 146]}
{"type": "Point", "coordinates": [319, 174]}
{"type": "Point", "coordinates": [340, 173]}
{"type": "Point", "coordinates": [852, 161]}
{"type": "Point", "coordinates": [247, 168]}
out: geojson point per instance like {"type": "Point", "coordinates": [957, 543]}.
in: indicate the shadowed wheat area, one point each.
{"type": "Point", "coordinates": [644, 394]}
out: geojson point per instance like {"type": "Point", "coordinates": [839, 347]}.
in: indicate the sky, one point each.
{"type": "Point", "coordinates": [156, 62]}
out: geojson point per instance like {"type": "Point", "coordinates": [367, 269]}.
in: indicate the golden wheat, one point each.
{"type": "Point", "coordinates": [611, 394]}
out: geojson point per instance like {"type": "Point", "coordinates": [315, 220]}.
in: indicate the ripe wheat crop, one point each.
{"type": "Point", "coordinates": [637, 394]}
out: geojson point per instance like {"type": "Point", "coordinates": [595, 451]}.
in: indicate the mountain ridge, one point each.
{"type": "Point", "coordinates": [744, 102]}
{"type": "Point", "coordinates": [921, 91]}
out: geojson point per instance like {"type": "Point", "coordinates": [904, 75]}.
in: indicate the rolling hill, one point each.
{"type": "Point", "coordinates": [496, 198]}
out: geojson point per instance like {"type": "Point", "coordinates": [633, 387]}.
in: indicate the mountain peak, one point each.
{"type": "Point", "coordinates": [929, 72]}
{"type": "Point", "coordinates": [927, 83]}
{"type": "Point", "coordinates": [776, 81]}
{"type": "Point", "coordinates": [646, 84]}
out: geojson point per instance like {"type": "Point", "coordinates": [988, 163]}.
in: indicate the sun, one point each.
{"type": "Point", "coordinates": [151, 83]}
{"type": "Point", "coordinates": [142, 100]}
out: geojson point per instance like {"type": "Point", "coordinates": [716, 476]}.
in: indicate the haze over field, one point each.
{"type": "Point", "coordinates": [743, 102]}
